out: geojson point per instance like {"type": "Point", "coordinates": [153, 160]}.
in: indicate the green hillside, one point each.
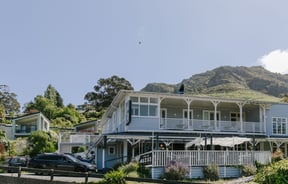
{"type": "Point", "coordinates": [254, 83]}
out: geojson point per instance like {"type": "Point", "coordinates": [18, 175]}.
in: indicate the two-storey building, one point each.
{"type": "Point", "coordinates": [155, 128]}
{"type": "Point", "coordinates": [23, 126]}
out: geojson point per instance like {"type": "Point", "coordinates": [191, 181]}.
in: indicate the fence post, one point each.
{"type": "Point", "coordinates": [86, 177]}
{"type": "Point", "coordinates": [19, 172]}
{"type": "Point", "coordinates": [51, 174]}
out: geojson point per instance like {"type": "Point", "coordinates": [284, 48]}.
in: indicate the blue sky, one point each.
{"type": "Point", "coordinates": [72, 44]}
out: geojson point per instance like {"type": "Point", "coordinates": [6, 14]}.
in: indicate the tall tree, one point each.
{"type": "Point", "coordinates": [59, 116]}
{"type": "Point", "coordinates": [52, 94]}
{"type": "Point", "coordinates": [105, 91]}
{"type": "Point", "coordinates": [8, 100]}
{"type": "Point", "coordinates": [43, 105]}
{"type": "Point", "coordinates": [71, 114]}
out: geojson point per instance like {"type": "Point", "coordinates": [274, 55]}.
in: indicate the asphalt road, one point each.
{"type": "Point", "coordinates": [56, 178]}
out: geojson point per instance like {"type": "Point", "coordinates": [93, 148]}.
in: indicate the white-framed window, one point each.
{"type": "Point", "coordinates": [235, 116]}
{"type": "Point", "coordinates": [209, 115]}
{"type": "Point", "coordinates": [111, 150]}
{"type": "Point", "coordinates": [144, 106]}
{"type": "Point", "coordinates": [279, 125]}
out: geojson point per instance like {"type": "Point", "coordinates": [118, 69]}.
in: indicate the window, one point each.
{"type": "Point", "coordinates": [279, 125]}
{"type": "Point", "coordinates": [209, 115]}
{"type": "Point", "coordinates": [235, 116]}
{"type": "Point", "coordinates": [135, 109]}
{"type": "Point", "coordinates": [144, 110]}
{"type": "Point", "coordinates": [144, 106]}
{"type": "Point", "coordinates": [153, 110]}
{"type": "Point", "coordinates": [134, 99]}
{"type": "Point", "coordinates": [111, 150]}
{"type": "Point", "coordinates": [143, 99]}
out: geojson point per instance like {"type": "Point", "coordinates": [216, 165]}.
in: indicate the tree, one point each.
{"type": "Point", "coordinates": [59, 116]}
{"type": "Point", "coordinates": [41, 142]}
{"type": "Point", "coordinates": [43, 105]}
{"type": "Point", "coordinates": [70, 114]}
{"type": "Point", "coordinates": [52, 94]}
{"type": "Point", "coordinates": [105, 91]}
{"type": "Point", "coordinates": [8, 100]}
{"type": "Point", "coordinates": [2, 114]}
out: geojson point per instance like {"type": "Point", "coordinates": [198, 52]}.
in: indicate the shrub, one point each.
{"type": "Point", "coordinates": [117, 165]}
{"type": "Point", "coordinates": [277, 155]}
{"type": "Point", "coordinates": [248, 170]}
{"type": "Point", "coordinates": [3, 157]}
{"type": "Point", "coordinates": [130, 167]}
{"type": "Point", "coordinates": [115, 177]}
{"type": "Point", "coordinates": [175, 171]}
{"type": "Point", "coordinates": [144, 172]}
{"type": "Point", "coordinates": [275, 173]}
{"type": "Point", "coordinates": [258, 165]}
{"type": "Point", "coordinates": [211, 172]}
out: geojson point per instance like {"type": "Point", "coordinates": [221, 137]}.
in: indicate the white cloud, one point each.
{"type": "Point", "coordinates": [275, 61]}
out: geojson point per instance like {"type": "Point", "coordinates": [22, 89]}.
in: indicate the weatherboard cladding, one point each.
{"type": "Point", "coordinates": [276, 110]}
{"type": "Point", "coordinates": [143, 124]}
{"type": "Point", "coordinates": [197, 172]}
{"type": "Point", "coordinates": [229, 172]}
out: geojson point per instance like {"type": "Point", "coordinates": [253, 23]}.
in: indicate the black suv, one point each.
{"type": "Point", "coordinates": [60, 162]}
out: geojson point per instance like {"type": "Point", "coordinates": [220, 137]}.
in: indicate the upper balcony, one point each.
{"type": "Point", "coordinates": [148, 124]}
{"type": "Point", "coordinates": [166, 113]}
{"type": "Point", "coordinates": [211, 126]}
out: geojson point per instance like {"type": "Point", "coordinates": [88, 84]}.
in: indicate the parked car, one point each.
{"type": "Point", "coordinates": [82, 158]}
{"type": "Point", "coordinates": [60, 162]}
{"type": "Point", "coordinates": [16, 161]}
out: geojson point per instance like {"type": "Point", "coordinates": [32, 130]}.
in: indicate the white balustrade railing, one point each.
{"type": "Point", "coordinates": [211, 125]}
{"type": "Point", "coordinates": [193, 125]}
{"type": "Point", "coordinates": [204, 158]}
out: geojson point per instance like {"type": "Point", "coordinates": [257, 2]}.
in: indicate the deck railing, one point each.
{"type": "Point", "coordinates": [182, 124]}
{"type": "Point", "coordinates": [211, 125]}
{"type": "Point", "coordinates": [158, 158]}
